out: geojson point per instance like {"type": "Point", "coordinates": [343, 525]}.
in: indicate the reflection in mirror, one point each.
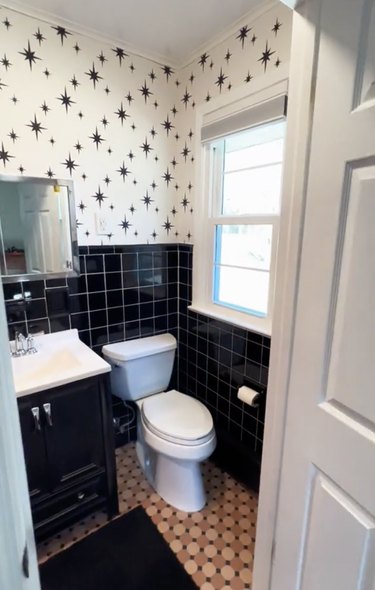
{"type": "Point", "coordinates": [37, 228]}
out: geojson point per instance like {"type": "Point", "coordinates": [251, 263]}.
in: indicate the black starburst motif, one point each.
{"type": "Point", "coordinates": [45, 108]}
{"type": "Point", "coordinates": [190, 186]}
{"type": "Point", "coordinates": [266, 56]}
{"type": "Point", "coordinates": [203, 59]}
{"type": "Point", "coordinates": [80, 114]}
{"type": "Point", "coordinates": [62, 32]}
{"type": "Point", "coordinates": [167, 225]}
{"type": "Point", "coordinates": [111, 206]}
{"type": "Point", "coordinates": [243, 33]}
{"type": "Point", "coordinates": [94, 75]}
{"type": "Point", "coordinates": [153, 185]}
{"type": "Point", "coordinates": [185, 152]}
{"type": "Point", "coordinates": [145, 147]}
{"type": "Point", "coordinates": [124, 171]}
{"type": "Point", "coordinates": [14, 99]}
{"type": "Point", "coordinates": [133, 126]}
{"type": "Point", "coordinates": [208, 97]}
{"type": "Point", "coordinates": [145, 91]}
{"type": "Point", "coordinates": [6, 23]}
{"type": "Point", "coordinates": [156, 104]}
{"type": "Point", "coordinates": [38, 35]}
{"type": "Point", "coordinates": [49, 173]}
{"type": "Point", "coordinates": [102, 58]}
{"type": "Point", "coordinates": [192, 78]}
{"type": "Point", "coordinates": [109, 151]}
{"type": "Point", "coordinates": [2, 85]}
{"type": "Point", "coordinates": [132, 209]}
{"type": "Point", "coordinates": [120, 53]}
{"type": "Point", "coordinates": [36, 127]}
{"type": "Point", "coordinates": [29, 55]}
{"type": "Point", "coordinates": [177, 82]}
{"type": "Point", "coordinates": [190, 134]}
{"type": "Point", "coordinates": [177, 137]}
{"type": "Point", "coordinates": [74, 82]}
{"type": "Point", "coordinates": [129, 98]}
{"type": "Point", "coordinates": [221, 79]}
{"type": "Point", "coordinates": [5, 62]}
{"type": "Point", "coordinates": [99, 197]}
{"type": "Point", "coordinates": [21, 169]}
{"type": "Point", "coordinates": [167, 176]}
{"type": "Point", "coordinates": [84, 176]}
{"type": "Point", "coordinates": [253, 39]}
{"type": "Point", "coordinates": [66, 101]}
{"type": "Point", "coordinates": [69, 164]}
{"type": "Point", "coordinates": [174, 111]}
{"type": "Point", "coordinates": [154, 235]}
{"type": "Point", "coordinates": [13, 135]}
{"type": "Point", "coordinates": [132, 68]}
{"type": "Point", "coordinates": [248, 78]}
{"type": "Point", "coordinates": [121, 113]}
{"type": "Point", "coordinates": [186, 97]}
{"type": "Point", "coordinates": [96, 138]}
{"type": "Point", "coordinates": [174, 162]}
{"type": "Point", "coordinates": [167, 125]}
{"type": "Point", "coordinates": [4, 155]}
{"type": "Point", "coordinates": [76, 48]}
{"type": "Point", "coordinates": [174, 211]}
{"type": "Point", "coordinates": [228, 55]}
{"type": "Point", "coordinates": [87, 233]}
{"type": "Point", "coordinates": [152, 76]}
{"type": "Point", "coordinates": [131, 156]}
{"type": "Point", "coordinates": [52, 141]}
{"type": "Point", "coordinates": [47, 73]}
{"type": "Point", "coordinates": [125, 224]}
{"type": "Point", "coordinates": [107, 90]}
{"type": "Point", "coordinates": [78, 147]}
{"type": "Point", "coordinates": [278, 62]}
{"type": "Point", "coordinates": [185, 202]}
{"type": "Point", "coordinates": [153, 132]}
{"type": "Point", "coordinates": [81, 206]}
{"type": "Point", "coordinates": [188, 235]}
{"type": "Point", "coordinates": [107, 180]}
{"type": "Point", "coordinates": [167, 70]}
{"type": "Point", "coordinates": [104, 122]}
{"type": "Point", "coordinates": [147, 200]}
{"type": "Point", "coordinates": [276, 27]}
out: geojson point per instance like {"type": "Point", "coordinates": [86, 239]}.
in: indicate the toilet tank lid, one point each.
{"type": "Point", "coordinates": [140, 347]}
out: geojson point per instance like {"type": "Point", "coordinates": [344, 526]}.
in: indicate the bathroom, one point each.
{"type": "Point", "coordinates": [116, 133]}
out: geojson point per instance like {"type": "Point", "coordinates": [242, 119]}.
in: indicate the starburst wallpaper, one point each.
{"type": "Point", "coordinates": [119, 125]}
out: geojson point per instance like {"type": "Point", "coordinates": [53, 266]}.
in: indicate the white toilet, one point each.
{"type": "Point", "coordinates": [175, 432]}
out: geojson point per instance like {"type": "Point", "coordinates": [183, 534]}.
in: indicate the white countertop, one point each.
{"type": "Point", "coordinates": [61, 358]}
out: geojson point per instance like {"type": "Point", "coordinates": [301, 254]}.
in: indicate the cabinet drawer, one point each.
{"type": "Point", "coordinates": [71, 503]}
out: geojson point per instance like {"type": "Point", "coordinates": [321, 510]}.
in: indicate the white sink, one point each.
{"type": "Point", "coordinates": [61, 358]}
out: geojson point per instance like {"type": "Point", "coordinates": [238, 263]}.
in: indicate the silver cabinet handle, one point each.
{"type": "Point", "coordinates": [36, 416]}
{"type": "Point", "coordinates": [48, 414]}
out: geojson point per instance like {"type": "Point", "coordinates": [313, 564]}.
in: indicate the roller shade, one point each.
{"type": "Point", "coordinates": [264, 112]}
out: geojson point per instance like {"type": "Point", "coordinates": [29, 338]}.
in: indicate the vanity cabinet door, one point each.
{"type": "Point", "coordinates": [34, 447]}
{"type": "Point", "coordinates": [73, 431]}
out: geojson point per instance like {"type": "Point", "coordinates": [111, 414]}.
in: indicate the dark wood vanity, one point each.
{"type": "Point", "coordinates": [69, 451]}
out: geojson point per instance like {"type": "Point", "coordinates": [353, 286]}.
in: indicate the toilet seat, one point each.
{"type": "Point", "coordinates": [178, 418]}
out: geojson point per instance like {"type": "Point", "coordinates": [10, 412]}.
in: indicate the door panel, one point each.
{"type": "Point", "coordinates": [326, 514]}
{"type": "Point", "coordinates": [74, 433]}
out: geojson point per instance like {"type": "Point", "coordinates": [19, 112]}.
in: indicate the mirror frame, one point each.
{"type": "Point", "coordinates": [73, 230]}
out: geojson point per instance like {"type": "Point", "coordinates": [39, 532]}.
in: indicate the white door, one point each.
{"type": "Point", "coordinates": [325, 528]}
{"type": "Point", "coordinates": [42, 220]}
{"type": "Point", "coordinates": [18, 564]}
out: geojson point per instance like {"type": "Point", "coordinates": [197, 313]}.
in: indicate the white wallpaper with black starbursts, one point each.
{"type": "Point", "coordinates": [119, 125]}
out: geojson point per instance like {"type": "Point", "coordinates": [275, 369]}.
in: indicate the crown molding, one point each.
{"type": "Point", "coordinates": [51, 18]}
{"type": "Point", "coordinates": [252, 15]}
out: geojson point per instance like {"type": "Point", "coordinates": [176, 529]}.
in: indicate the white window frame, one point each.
{"type": "Point", "coordinates": [217, 112]}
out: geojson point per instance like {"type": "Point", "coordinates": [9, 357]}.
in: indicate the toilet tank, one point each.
{"type": "Point", "coordinates": [141, 367]}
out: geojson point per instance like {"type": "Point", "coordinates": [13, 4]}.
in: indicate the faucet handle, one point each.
{"type": "Point", "coordinates": [19, 339]}
{"type": "Point", "coordinates": [30, 348]}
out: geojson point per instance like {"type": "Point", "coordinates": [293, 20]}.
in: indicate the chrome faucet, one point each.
{"type": "Point", "coordinates": [19, 345]}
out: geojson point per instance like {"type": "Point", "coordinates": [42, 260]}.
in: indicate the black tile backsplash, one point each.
{"type": "Point", "coordinates": [132, 291]}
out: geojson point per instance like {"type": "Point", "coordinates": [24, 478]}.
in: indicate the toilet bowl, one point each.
{"type": "Point", "coordinates": [175, 432]}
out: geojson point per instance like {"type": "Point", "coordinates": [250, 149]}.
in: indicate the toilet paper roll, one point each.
{"type": "Point", "coordinates": [248, 396]}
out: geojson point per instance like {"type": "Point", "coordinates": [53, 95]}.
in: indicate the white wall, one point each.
{"type": "Point", "coordinates": [168, 217]}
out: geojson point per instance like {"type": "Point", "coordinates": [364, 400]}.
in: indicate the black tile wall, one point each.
{"type": "Point", "coordinates": [126, 292]}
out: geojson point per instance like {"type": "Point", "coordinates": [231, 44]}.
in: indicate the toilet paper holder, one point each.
{"type": "Point", "coordinates": [251, 393]}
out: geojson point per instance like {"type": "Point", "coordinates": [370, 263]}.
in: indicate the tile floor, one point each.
{"type": "Point", "coordinates": [216, 545]}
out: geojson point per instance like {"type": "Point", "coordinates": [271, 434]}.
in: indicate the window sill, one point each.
{"type": "Point", "coordinates": [260, 325]}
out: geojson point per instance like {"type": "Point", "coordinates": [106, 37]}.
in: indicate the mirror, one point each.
{"type": "Point", "coordinates": [38, 237]}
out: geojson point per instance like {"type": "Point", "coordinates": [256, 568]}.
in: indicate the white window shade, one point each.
{"type": "Point", "coordinates": [263, 112]}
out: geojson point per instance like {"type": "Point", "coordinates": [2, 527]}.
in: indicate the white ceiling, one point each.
{"type": "Point", "coordinates": [166, 30]}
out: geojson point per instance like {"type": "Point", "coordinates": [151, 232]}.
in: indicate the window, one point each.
{"type": "Point", "coordinates": [239, 217]}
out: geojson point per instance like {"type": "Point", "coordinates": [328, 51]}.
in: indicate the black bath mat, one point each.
{"type": "Point", "coordinates": [127, 554]}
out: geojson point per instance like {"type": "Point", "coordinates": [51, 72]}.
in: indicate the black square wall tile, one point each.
{"type": "Point", "coordinates": [35, 288]}
{"type": "Point", "coordinates": [94, 263]}
{"type": "Point", "coordinates": [145, 260]}
{"type": "Point", "coordinates": [115, 315]}
{"type": "Point", "coordinates": [85, 336]}
{"type": "Point", "coordinates": [57, 301]}
{"type": "Point", "coordinates": [58, 324]}
{"type": "Point", "coordinates": [77, 284]}
{"type": "Point", "coordinates": [38, 326]}
{"type": "Point", "coordinates": [12, 289]}
{"type": "Point", "coordinates": [113, 280]}
{"type": "Point", "coordinates": [80, 321]}
{"type": "Point", "coordinates": [131, 296]}
{"type": "Point", "coordinates": [36, 309]}
{"type": "Point", "coordinates": [97, 301]}
{"type": "Point", "coordinates": [130, 279]}
{"type": "Point", "coordinates": [114, 298]}
{"type": "Point", "coordinates": [78, 303]}
{"type": "Point", "coordinates": [95, 282]}
{"type": "Point", "coordinates": [132, 312]}
{"type": "Point", "coordinates": [99, 337]}
{"type": "Point", "coordinates": [130, 261]}
{"type": "Point", "coordinates": [132, 329]}
{"type": "Point", "coordinates": [112, 262]}
{"type": "Point", "coordinates": [116, 333]}
{"type": "Point", "coordinates": [56, 282]}
{"type": "Point", "coordinates": [98, 318]}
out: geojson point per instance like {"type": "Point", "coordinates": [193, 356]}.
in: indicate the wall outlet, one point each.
{"type": "Point", "coordinates": [102, 225]}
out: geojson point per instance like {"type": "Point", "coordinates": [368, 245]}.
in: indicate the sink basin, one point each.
{"type": "Point", "coordinates": [61, 358]}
